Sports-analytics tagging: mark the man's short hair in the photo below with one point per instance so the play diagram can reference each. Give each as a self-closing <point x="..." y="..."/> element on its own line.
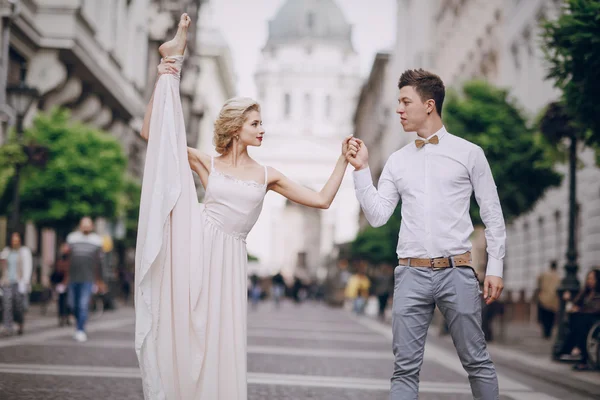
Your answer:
<point x="427" y="84"/>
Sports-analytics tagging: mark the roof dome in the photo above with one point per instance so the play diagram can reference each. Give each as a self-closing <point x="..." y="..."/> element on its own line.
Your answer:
<point x="310" y="19"/>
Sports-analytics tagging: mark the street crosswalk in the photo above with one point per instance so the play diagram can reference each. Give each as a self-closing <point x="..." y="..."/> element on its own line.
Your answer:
<point x="296" y="352"/>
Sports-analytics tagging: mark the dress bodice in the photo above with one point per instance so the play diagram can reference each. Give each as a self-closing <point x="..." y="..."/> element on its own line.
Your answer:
<point x="233" y="205"/>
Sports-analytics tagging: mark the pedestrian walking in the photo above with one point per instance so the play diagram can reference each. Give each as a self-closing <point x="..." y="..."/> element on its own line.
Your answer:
<point x="435" y="177"/>
<point x="547" y="298"/>
<point x="357" y="290"/>
<point x="277" y="288"/>
<point x="383" y="286"/>
<point x="85" y="248"/>
<point x="16" y="265"/>
<point x="60" y="280"/>
<point x="255" y="291"/>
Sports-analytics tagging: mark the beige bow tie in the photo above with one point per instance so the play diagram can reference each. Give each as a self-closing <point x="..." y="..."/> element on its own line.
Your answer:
<point x="422" y="142"/>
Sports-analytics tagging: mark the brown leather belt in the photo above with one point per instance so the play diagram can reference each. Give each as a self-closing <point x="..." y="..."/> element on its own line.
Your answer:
<point x="461" y="260"/>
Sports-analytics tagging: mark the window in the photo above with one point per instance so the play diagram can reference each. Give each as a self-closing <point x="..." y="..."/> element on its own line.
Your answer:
<point x="527" y="258"/>
<point x="308" y="105"/>
<point x="558" y="230"/>
<point x="542" y="243"/>
<point x="310" y="20"/>
<point x="327" y="106"/>
<point x="287" y="104"/>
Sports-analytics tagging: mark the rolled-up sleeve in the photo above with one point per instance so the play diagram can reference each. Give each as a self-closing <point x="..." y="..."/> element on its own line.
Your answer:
<point x="486" y="195"/>
<point x="377" y="204"/>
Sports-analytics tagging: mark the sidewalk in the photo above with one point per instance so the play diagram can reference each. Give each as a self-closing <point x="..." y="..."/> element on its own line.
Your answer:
<point x="526" y="351"/>
<point x="521" y="348"/>
<point x="36" y="320"/>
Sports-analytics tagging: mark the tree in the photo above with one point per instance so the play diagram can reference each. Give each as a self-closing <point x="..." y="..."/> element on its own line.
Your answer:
<point x="572" y="47"/>
<point x="519" y="158"/>
<point x="130" y="209"/>
<point x="83" y="176"/>
<point x="11" y="154"/>
<point x="378" y="245"/>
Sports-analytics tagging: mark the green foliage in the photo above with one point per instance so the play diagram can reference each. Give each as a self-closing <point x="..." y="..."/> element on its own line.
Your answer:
<point x="521" y="162"/>
<point x="572" y="47"/>
<point x="83" y="176"/>
<point x="11" y="154"/>
<point x="130" y="208"/>
<point x="378" y="245"/>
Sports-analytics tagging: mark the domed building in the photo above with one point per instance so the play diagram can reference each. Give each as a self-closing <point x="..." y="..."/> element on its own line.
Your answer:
<point x="308" y="82"/>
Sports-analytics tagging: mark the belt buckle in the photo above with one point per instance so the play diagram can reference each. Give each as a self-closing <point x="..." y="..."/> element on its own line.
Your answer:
<point x="432" y="261"/>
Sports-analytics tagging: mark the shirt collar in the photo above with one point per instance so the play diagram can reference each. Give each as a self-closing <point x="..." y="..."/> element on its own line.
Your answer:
<point x="440" y="133"/>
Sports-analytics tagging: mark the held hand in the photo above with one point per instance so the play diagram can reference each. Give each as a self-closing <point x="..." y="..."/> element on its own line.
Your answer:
<point x="492" y="288"/>
<point x="357" y="154"/>
<point x="345" y="145"/>
<point x="165" y="67"/>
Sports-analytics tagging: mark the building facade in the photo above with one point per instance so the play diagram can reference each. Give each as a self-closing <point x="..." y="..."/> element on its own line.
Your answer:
<point x="500" y="42"/>
<point x="98" y="59"/>
<point x="217" y="80"/>
<point x="308" y="82"/>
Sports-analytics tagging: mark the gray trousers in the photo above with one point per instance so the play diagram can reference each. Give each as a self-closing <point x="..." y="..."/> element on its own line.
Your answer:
<point x="12" y="305"/>
<point x="456" y="293"/>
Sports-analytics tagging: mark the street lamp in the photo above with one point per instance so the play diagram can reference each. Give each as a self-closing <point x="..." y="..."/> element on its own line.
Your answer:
<point x="20" y="97"/>
<point x="570" y="283"/>
<point x="557" y="125"/>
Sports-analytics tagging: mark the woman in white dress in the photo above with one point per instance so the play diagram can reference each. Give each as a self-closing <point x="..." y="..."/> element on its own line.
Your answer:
<point x="191" y="260"/>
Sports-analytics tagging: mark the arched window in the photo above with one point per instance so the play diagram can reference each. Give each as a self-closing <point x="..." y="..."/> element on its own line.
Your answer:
<point x="310" y="20"/>
<point x="542" y="257"/>
<point x="308" y="107"/>
<point x="287" y="104"/>
<point x="558" y="229"/>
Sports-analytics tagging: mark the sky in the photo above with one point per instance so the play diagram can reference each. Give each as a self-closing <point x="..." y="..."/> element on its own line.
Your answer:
<point x="244" y="24"/>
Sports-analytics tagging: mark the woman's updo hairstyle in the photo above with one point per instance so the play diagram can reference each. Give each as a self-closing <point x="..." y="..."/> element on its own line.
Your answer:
<point x="231" y="119"/>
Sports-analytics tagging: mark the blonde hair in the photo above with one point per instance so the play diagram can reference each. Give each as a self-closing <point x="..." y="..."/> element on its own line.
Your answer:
<point x="231" y="119"/>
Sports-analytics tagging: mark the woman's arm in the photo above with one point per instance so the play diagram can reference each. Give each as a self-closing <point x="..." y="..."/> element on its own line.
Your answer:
<point x="307" y="197"/>
<point x="200" y="164"/>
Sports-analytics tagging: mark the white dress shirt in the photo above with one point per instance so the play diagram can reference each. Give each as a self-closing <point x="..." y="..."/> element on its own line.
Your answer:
<point x="435" y="184"/>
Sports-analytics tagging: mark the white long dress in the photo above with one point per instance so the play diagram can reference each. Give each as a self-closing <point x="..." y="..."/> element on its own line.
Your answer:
<point x="191" y="262"/>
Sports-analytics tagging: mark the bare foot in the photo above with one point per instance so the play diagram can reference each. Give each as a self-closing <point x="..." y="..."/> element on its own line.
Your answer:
<point x="176" y="46"/>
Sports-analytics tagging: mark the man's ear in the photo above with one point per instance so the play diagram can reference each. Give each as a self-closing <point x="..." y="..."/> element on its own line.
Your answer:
<point x="430" y="104"/>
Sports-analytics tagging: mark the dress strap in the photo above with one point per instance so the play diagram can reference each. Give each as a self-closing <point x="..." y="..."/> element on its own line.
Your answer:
<point x="266" y="175"/>
<point x="212" y="163"/>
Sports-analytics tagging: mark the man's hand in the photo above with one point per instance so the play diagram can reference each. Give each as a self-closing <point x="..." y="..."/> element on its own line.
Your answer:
<point x="492" y="288"/>
<point x="357" y="154"/>
<point x="345" y="145"/>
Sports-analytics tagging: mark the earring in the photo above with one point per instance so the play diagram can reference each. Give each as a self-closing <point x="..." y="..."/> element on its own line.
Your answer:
<point x="237" y="137"/>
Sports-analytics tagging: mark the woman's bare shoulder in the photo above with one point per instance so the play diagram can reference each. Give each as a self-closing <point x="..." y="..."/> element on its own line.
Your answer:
<point x="200" y="156"/>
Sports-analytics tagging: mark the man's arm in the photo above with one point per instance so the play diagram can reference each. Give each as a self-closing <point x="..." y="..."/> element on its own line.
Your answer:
<point x="486" y="195"/>
<point x="377" y="204"/>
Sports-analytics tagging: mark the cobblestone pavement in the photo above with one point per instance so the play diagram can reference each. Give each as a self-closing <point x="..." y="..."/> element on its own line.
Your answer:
<point x="295" y="352"/>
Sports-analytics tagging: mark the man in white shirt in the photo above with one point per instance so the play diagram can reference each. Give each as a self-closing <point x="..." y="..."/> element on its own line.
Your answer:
<point x="435" y="177"/>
